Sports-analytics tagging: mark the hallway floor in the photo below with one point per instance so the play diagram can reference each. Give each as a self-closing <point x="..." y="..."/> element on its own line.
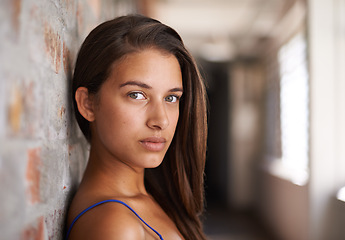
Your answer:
<point x="225" y="225"/>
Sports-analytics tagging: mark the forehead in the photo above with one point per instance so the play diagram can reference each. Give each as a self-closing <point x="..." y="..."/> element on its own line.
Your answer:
<point x="149" y="65"/>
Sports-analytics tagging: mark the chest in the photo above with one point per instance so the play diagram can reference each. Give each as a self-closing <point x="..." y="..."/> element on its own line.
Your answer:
<point x="157" y="220"/>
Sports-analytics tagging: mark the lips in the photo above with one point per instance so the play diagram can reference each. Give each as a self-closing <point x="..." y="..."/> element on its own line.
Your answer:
<point x="154" y="144"/>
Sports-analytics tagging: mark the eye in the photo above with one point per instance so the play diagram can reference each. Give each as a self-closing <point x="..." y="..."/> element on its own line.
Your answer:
<point x="137" y="95"/>
<point x="172" y="98"/>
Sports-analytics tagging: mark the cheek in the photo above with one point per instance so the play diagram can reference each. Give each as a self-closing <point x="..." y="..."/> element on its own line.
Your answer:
<point x="115" y="128"/>
<point x="174" y="119"/>
<point x="111" y="119"/>
<point x="126" y="121"/>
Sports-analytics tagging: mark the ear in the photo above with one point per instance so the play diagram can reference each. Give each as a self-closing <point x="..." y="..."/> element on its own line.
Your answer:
<point x="85" y="103"/>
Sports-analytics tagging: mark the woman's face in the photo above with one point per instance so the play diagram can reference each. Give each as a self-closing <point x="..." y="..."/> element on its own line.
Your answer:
<point x="137" y="109"/>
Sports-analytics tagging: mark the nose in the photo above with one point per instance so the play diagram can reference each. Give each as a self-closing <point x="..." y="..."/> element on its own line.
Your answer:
<point x="158" y="117"/>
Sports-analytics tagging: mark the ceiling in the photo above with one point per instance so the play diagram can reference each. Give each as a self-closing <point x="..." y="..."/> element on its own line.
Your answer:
<point x="223" y="29"/>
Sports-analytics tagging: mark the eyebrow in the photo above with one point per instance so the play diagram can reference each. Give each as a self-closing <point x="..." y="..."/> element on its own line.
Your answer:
<point x="135" y="83"/>
<point x="176" y="90"/>
<point x="144" y="85"/>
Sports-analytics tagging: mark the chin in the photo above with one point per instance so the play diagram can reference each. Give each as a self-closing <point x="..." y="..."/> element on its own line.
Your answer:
<point x="153" y="162"/>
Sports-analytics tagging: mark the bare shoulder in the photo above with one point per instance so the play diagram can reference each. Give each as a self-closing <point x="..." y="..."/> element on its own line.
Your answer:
<point x="108" y="221"/>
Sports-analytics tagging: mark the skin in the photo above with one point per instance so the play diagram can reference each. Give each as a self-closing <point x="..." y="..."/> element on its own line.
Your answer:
<point x="133" y="120"/>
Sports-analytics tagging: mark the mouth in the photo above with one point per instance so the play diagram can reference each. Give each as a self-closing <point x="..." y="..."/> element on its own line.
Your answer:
<point x="154" y="144"/>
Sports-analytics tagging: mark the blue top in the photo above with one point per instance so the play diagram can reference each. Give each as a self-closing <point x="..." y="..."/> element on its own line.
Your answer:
<point x="105" y="201"/>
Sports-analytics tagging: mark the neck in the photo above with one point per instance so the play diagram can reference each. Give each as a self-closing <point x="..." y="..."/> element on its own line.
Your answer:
<point x="109" y="176"/>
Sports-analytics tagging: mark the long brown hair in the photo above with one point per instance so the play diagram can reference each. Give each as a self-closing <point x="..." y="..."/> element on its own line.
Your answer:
<point x="177" y="184"/>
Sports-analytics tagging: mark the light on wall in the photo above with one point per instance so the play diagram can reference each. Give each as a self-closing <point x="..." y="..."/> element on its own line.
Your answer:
<point x="341" y="194"/>
<point x="217" y="50"/>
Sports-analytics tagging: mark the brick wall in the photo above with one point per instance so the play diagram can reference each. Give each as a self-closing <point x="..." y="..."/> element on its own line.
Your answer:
<point x="42" y="151"/>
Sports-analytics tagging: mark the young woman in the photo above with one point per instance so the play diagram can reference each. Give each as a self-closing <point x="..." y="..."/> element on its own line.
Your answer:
<point x="140" y="102"/>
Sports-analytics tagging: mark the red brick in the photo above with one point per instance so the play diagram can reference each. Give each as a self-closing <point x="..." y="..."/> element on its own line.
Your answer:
<point x="16" y="8"/>
<point x="95" y="6"/>
<point x="34" y="231"/>
<point x="15" y="110"/>
<point x="66" y="59"/>
<point x="33" y="174"/>
<point x="61" y="112"/>
<point x="53" y="46"/>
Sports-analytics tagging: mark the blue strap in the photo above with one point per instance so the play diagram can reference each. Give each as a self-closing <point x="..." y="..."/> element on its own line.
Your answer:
<point x="105" y="201"/>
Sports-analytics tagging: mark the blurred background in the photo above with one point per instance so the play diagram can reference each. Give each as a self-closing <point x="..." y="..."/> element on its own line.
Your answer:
<point x="276" y="85"/>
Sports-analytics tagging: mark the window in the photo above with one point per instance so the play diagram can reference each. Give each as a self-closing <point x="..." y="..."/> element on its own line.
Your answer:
<point x="294" y="113"/>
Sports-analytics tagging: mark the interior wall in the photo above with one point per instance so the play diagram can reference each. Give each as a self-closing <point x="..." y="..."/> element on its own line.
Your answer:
<point x="283" y="205"/>
<point x="327" y="58"/>
<point x="311" y="211"/>
<point x="245" y="146"/>
<point x="42" y="151"/>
